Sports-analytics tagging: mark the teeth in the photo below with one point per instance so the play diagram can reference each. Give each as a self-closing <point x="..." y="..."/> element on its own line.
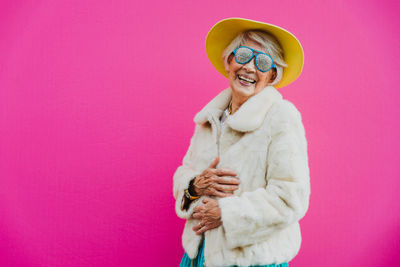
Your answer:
<point x="246" y="79"/>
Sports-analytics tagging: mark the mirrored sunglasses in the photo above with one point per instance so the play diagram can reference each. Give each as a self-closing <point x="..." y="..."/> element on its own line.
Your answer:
<point x="244" y="54"/>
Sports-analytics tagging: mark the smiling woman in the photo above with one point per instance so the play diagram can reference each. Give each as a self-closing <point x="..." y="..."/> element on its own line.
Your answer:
<point x="269" y="45"/>
<point x="252" y="50"/>
<point x="244" y="185"/>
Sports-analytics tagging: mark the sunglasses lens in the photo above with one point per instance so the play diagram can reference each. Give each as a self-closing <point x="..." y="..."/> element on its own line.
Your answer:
<point x="243" y="55"/>
<point x="263" y="62"/>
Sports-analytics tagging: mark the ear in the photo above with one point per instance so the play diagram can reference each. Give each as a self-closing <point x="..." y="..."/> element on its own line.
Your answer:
<point x="273" y="76"/>
<point x="227" y="62"/>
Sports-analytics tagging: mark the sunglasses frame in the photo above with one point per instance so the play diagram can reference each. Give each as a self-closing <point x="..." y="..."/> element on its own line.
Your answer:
<point x="255" y="58"/>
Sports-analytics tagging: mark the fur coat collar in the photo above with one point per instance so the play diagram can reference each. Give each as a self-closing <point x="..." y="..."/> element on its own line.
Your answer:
<point x="248" y="117"/>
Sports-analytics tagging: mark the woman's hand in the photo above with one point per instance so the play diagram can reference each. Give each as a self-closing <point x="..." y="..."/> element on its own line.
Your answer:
<point x="209" y="215"/>
<point x="216" y="182"/>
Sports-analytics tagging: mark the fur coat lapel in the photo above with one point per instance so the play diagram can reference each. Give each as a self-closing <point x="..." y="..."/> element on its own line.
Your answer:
<point x="248" y="117"/>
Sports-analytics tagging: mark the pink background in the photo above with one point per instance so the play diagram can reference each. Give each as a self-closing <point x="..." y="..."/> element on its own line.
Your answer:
<point x="96" y="107"/>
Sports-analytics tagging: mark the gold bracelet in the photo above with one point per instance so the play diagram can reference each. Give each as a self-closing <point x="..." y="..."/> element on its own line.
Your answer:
<point x="189" y="196"/>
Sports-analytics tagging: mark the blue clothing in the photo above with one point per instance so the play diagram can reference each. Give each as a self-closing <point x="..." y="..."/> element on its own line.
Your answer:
<point x="199" y="260"/>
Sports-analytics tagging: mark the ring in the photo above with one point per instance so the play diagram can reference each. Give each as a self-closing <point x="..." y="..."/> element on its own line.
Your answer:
<point x="200" y="225"/>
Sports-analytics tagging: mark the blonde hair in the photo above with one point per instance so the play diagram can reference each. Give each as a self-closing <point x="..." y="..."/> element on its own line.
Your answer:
<point x="267" y="41"/>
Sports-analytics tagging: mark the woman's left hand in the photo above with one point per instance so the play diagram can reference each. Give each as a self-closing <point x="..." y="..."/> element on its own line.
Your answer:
<point x="209" y="215"/>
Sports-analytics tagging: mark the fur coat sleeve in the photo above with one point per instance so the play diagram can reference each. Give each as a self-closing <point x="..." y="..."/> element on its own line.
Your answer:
<point x="251" y="217"/>
<point x="184" y="173"/>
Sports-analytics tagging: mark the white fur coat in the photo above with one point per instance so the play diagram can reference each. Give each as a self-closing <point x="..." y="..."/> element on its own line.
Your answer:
<point x="264" y="141"/>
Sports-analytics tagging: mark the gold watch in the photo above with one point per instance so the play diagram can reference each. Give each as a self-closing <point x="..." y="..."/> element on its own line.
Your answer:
<point x="187" y="193"/>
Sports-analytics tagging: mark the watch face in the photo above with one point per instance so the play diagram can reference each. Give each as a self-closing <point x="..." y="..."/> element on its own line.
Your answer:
<point x="189" y="196"/>
<point x="187" y="193"/>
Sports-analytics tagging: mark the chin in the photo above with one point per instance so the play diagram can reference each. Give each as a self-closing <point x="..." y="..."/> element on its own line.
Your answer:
<point x="244" y="90"/>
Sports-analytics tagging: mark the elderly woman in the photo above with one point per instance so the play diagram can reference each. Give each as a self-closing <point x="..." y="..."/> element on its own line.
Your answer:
<point x="244" y="182"/>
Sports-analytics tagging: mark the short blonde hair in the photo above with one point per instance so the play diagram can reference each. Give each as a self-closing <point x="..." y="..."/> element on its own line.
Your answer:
<point x="267" y="41"/>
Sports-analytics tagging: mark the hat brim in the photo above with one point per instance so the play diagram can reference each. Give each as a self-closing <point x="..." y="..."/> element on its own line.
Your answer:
<point x="224" y="31"/>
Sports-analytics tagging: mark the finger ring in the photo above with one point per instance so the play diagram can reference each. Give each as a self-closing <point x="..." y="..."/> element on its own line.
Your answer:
<point x="200" y="225"/>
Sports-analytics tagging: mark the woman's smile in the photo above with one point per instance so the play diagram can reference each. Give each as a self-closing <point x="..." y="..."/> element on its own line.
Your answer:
<point x="245" y="79"/>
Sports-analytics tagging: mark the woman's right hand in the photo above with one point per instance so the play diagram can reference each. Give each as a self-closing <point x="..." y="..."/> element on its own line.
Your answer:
<point x="216" y="182"/>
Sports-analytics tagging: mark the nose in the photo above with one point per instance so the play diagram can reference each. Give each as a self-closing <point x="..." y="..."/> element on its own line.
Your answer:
<point x="250" y="66"/>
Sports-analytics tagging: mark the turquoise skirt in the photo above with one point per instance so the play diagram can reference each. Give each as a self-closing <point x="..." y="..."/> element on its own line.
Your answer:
<point x="199" y="261"/>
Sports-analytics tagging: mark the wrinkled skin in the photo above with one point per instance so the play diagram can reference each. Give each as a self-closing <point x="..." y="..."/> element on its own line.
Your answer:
<point x="212" y="182"/>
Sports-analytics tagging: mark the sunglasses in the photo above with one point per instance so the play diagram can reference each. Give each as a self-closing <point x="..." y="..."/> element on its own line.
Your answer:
<point x="244" y="54"/>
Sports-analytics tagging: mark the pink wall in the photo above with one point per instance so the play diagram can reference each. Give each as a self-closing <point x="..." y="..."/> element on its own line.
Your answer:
<point x="96" y="107"/>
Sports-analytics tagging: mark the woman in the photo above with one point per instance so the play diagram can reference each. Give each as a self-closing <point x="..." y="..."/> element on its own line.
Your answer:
<point x="244" y="181"/>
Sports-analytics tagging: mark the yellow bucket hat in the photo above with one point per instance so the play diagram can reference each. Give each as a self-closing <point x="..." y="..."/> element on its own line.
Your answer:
<point x="224" y="31"/>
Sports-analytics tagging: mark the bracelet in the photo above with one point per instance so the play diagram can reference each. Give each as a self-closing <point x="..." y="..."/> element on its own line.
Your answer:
<point x="187" y="191"/>
<point x="189" y="196"/>
<point x="191" y="190"/>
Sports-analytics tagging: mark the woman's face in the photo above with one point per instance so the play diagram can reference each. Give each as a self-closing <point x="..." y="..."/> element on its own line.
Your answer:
<point x="245" y="79"/>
